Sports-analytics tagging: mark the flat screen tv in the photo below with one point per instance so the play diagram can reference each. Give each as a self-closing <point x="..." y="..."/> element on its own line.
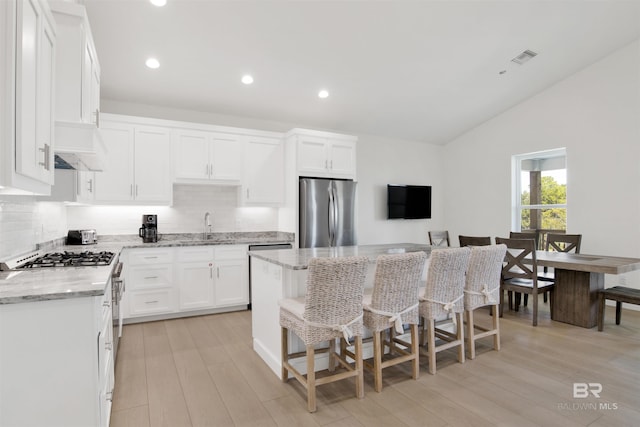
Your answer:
<point x="408" y="201"/>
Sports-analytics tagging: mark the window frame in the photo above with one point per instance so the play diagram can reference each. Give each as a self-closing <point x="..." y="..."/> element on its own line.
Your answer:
<point x="516" y="179"/>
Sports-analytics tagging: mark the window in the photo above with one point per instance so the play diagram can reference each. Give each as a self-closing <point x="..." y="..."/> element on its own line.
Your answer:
<point x="540" y="192"/>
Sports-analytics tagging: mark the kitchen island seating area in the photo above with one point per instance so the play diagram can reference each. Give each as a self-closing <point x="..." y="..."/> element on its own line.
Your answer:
<point x="334" y="306"/>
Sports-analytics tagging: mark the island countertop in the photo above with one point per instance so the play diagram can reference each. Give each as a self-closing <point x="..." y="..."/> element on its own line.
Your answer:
<point x="298" y="259"/>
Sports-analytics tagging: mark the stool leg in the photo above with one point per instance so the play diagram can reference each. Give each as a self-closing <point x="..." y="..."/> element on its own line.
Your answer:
<point x="311" y="379"/>
<point x="618" y="312"/>
<point x="378" y="349"/>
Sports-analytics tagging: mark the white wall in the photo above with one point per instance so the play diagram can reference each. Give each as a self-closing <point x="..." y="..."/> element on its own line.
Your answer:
<point x="382" y="161"/>
<point x="595" y="114"/>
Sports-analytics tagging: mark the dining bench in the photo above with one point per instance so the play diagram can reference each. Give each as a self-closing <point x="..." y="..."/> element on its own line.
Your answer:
<point x="619" y="294"/>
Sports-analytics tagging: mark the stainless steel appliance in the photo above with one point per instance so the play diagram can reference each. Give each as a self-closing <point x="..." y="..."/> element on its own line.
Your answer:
<point x="59" y="259"/>
<point x="149" y="229"/>
<point x="82" y="237"/>
<point x="327" y="213"/>
<point x="264" y="247"/>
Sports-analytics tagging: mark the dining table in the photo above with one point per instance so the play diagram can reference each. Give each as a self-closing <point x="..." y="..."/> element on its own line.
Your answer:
<point x="578" y="280"/>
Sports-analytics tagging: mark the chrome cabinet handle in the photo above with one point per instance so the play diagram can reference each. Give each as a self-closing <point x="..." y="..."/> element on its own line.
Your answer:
<point x="218" y="272"/>
<point x="97" y="118"/>
<point x="326" y="164"/>
<point x="131" y="190"/>
<point x="151" y="257"/>
<point x="151" y="302"/>
<point x="46" y="163"/>
<point x="109" y="396"/>
<point x="331" y="164"/>
<point x="90" y="185"/>
<point x="151" y="277"/>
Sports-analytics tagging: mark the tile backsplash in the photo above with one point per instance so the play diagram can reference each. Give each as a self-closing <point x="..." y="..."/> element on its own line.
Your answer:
<point x="190" y="202"/>
<point x="24" y="222"/>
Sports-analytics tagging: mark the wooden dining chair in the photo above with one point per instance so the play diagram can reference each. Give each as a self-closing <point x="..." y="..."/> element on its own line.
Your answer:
<point x="519" y="274"/>
<point x="527" y="234"/>
<point x="439" y="238"/>
<point x="474" y="241"/>
<point x="331" y="308"/>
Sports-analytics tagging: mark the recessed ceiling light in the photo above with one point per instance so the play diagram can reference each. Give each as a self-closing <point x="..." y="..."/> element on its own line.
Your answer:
<point x="152" y="63"/>
<point x="247" y="79"/>
<point x="158" y="3"/>
<point x="323" y="93"/>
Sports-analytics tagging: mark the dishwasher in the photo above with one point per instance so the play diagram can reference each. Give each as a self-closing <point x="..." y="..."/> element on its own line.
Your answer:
<point x="265" y="247"/>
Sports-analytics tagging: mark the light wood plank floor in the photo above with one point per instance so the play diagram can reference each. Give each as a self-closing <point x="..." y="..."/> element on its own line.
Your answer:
<point x="202" y="371"/>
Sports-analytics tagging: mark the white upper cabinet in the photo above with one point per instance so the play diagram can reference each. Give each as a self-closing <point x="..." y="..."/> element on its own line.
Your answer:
<point x="208" y="157"/>
<point x="263" y="182"/>
<point x="77" y="66"/>
<point x="26" y="114"/>
<point x="138" y="167"/>
<point x="323" y="154"/>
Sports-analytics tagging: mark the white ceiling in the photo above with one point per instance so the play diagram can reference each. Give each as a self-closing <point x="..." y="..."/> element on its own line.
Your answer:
<point x="417" y="70"/>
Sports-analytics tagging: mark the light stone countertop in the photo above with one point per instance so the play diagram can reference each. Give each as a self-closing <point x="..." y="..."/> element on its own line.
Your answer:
<point x="298" y="259"/>
<point x="20" y="286"/>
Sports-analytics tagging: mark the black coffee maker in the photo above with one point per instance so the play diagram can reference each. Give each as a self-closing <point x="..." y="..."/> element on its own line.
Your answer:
<point x="149" y="229"/>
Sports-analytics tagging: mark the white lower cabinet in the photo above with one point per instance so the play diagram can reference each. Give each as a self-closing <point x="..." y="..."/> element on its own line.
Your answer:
<point x="165" y="282"/>
<point x="56" y="362"/>
<point x="195" y="277"/>
<point x="149" y="279"/>
<point x="231" y="276"/>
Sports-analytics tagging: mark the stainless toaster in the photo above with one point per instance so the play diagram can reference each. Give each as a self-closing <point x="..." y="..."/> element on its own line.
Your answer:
<point x="82" y="237"/>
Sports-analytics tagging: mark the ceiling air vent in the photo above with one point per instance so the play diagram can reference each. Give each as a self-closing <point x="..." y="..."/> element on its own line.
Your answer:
<point x="524" y="57"/>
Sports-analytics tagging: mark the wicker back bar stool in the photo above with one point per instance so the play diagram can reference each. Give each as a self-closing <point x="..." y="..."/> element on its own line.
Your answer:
<point x="393" y="303"/>
<point x="331" y="308"/>
<point x="482" y="288"/>
<point x="443" y="296"/>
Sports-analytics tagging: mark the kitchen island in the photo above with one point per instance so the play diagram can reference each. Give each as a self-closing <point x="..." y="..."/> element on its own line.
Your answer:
<point x="281" y="274"/>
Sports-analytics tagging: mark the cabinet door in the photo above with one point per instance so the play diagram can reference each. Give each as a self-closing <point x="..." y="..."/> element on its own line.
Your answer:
<point x="152" y="166"/>
<point x="312" y="156"/>
<point x="342" y="159"/>
<point x="84" y="186"/>
<point x="115" y="183"/>
<point x="263" y="171"/>
<point x="195" y="284"/>
<point x="231" y="286"/>
<point x="226" y="157"/>
<point x="34" y="86"/>
<point x="191" y="154"/>
<point x="90" y="100"/>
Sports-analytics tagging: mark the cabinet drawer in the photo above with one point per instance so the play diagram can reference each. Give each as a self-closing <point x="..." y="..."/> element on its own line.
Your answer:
<point x="160" y="276"/>
<point x="153" y="302"/>
<point x="149" y="257"/>
<point x="231" y="252"/>
<point x="195" y="254"/>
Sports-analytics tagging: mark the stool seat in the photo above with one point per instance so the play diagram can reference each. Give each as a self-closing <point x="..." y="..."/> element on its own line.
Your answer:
<point x="619" y="294"/>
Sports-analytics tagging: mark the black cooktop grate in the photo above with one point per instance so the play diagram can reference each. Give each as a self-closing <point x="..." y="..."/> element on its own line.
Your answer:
<point x="71" y="259"/>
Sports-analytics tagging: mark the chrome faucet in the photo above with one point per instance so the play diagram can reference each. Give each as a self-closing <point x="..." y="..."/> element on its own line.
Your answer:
<point x="207" y="225"/>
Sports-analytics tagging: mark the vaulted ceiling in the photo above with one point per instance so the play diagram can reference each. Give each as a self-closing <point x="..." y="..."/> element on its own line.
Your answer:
<point x="417" y="70"/>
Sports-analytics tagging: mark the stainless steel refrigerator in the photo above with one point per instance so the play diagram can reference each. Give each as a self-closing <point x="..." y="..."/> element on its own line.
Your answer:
<point x="327" y="213"/>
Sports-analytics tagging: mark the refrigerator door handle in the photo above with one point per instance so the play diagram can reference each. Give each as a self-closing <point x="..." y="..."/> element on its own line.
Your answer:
<point x="332" y="219"/>
<point x="336" y="216"/>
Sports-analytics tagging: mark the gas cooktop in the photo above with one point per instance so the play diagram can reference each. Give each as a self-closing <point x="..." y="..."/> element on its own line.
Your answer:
<point x="60" y="259"/>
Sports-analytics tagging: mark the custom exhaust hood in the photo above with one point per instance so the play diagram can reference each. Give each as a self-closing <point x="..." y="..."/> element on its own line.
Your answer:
<point x="79" y="146"/>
